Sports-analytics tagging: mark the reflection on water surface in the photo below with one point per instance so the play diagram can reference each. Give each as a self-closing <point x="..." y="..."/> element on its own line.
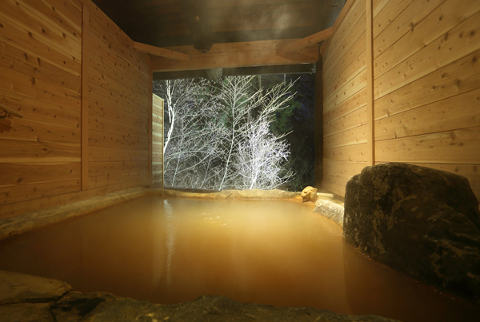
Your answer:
<point x="273" y="252"/>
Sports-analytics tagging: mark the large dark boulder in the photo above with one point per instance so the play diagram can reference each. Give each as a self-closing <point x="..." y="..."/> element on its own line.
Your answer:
<point x="418" y="220"/>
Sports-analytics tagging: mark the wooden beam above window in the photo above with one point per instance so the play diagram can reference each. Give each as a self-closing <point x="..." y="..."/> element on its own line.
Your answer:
<point x="162" y="52"/>
<point x="300" y="44"/>
<point x="239" y="54"/>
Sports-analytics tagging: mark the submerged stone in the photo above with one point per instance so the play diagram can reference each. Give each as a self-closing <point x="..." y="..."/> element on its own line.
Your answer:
<point x="418" y="220"/>
<point x="18" y="287"/>
<point x="26" y="312"/>
<point x="103" y="307"/>
<point x="28" y="298"/>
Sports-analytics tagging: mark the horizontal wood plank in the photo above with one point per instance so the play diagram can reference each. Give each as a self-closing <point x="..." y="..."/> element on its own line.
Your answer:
<point x="20" y="37"/>
<point x="346" y="137"/>
<point x="139" y="179"/>
<point x="458" y="77"/>
<point x="457" y="112"/>
<point x="33" y="66"/>
<point x="333" y="81"/>
<point x="98" y="138"/>
<point x="25" y="85"/>
<point x="107" y="125"/>
<point x="37" y="190"/>
<point x="26" y="17"/>
<point x="99" y="154"/>
<point x="99" y="169"/>
<point x="27" y="151"/>
<point x="40" y="111"/>
<point x="344" y="168"/>
<point x="28" y="130"/>
<point x="357" y="152"/>
<point x="344" y="61"/>
<point x="458" y="146"/>
<point x="345" y="92"/>
<point x="18" y="174"/>
<point x="346" y="33"/>
<point x="457" y="43"/>
<point x="351" y="120"/>
<point x="401" y="17"/>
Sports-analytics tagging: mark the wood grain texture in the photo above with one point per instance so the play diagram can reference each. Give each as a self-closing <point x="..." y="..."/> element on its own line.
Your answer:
<point x="427" y="96"/>
<point x="120" y="107"/>
<point x="345" y="100"/>
<point x="426" y="86"/>
<point x="150" y="128"/>
<point x="157" y="144"/>
<point x="299" y="44"/>
<point x="439" y="116"/>
<point x="230" y="55"/>
<point x="457" y="146"/>
<point x="158" y="51"/>
<point x="69" y="82"/>
<point x="85" y="91"/>
<point x="458" y="77"/>
<point x="355" y="118"/>
<point x="429" y="46"/>
<point x="370" y="135"/>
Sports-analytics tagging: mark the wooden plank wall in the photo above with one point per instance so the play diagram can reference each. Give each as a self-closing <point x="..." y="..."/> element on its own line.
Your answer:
<point x="157" y="142"/>
<point x="41" y="78"/>
<point x="427" y="84"/>
<point x="118" y="108"/>
<point x="344" y="101"/>
<point x="426" y="87"/>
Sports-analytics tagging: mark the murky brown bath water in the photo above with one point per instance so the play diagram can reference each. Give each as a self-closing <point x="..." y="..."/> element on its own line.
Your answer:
<point x="271" y="252"/>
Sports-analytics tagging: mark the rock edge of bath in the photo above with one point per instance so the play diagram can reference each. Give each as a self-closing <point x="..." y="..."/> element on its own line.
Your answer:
<point x="20" y="224"/>
<point x="46" y="300"/>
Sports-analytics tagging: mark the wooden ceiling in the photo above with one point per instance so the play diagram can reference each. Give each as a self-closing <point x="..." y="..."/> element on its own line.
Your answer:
<point x="184" y="24"/>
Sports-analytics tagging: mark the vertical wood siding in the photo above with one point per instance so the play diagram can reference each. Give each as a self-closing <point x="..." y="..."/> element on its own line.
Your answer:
<point x="41" y="78"/>
<point x="157" y="142"/>
<point x="426" y="88"/>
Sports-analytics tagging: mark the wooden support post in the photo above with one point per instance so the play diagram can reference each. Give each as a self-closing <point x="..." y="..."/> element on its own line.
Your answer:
<point x="84" y="113"/>
<point x="163" y="142"/>
<point x="370" y="86"/>
<point x="150" y="127"/>
<point x="318" y="119"/>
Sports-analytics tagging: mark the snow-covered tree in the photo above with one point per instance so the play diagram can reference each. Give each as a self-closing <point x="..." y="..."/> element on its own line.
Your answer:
<point x="217" y="136"/>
